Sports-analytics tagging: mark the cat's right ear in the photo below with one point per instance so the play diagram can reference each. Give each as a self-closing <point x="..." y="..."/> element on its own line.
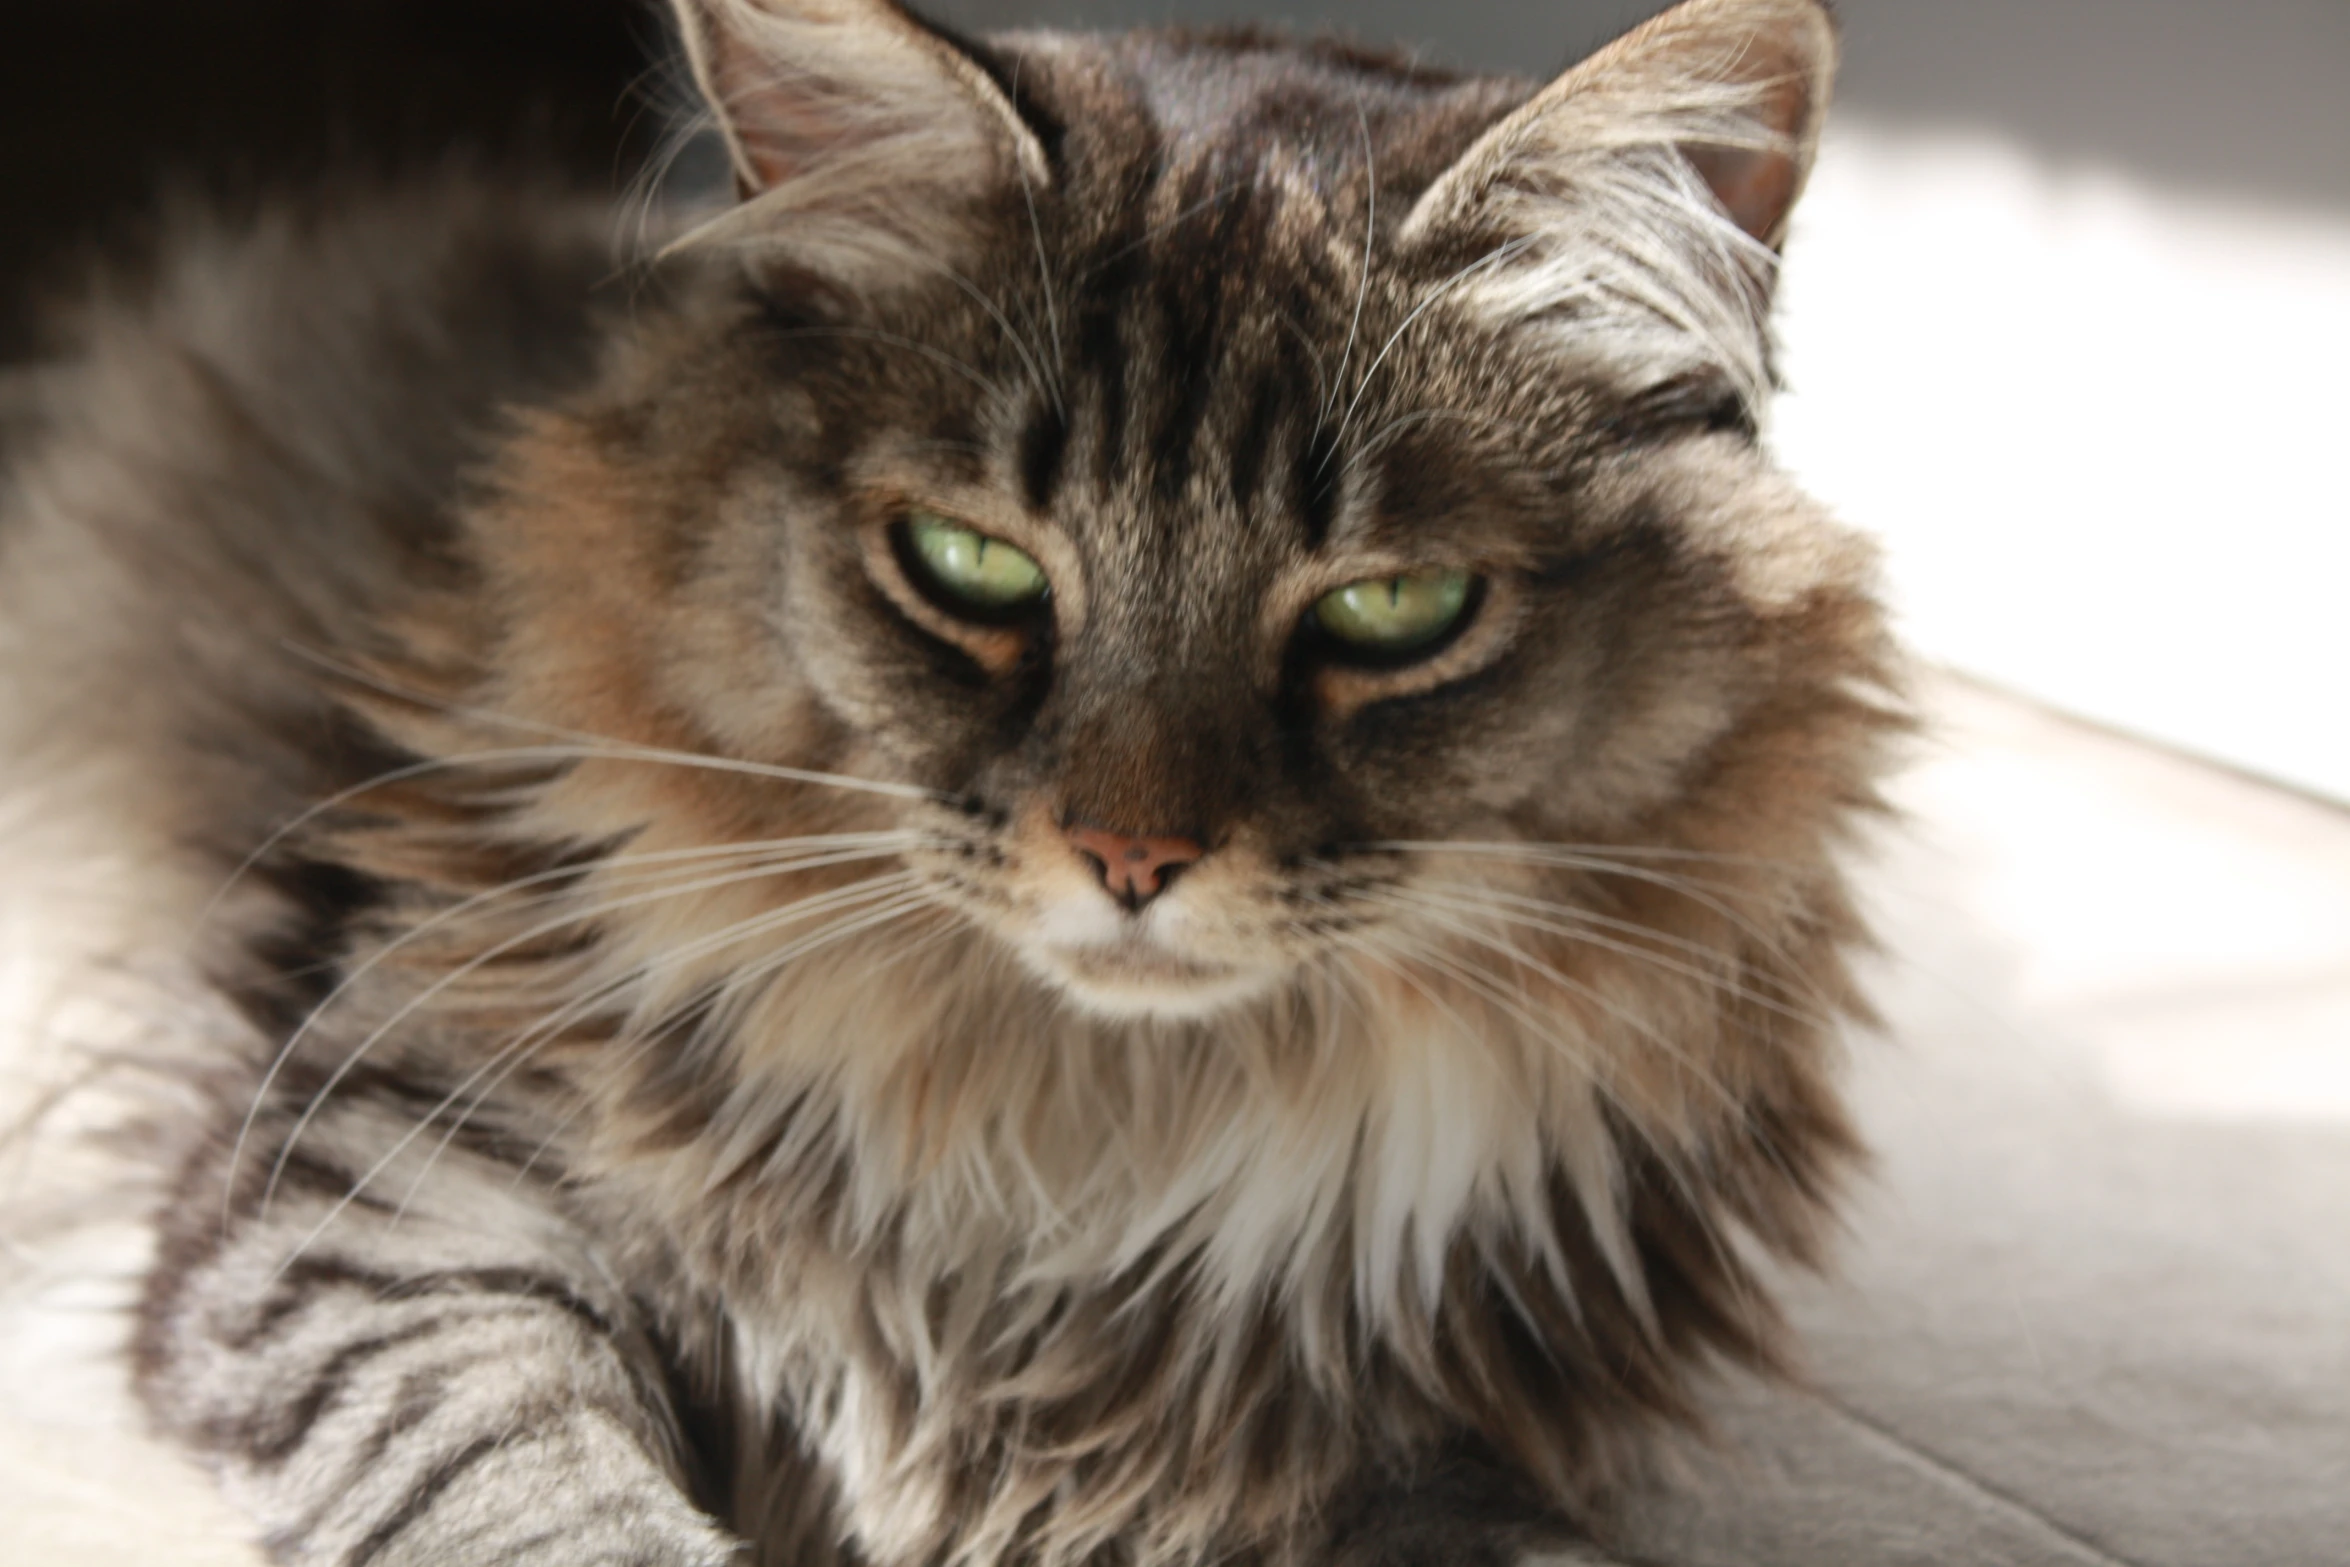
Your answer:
<point x="1737" y="87"/>
<point x="871" y="128"/>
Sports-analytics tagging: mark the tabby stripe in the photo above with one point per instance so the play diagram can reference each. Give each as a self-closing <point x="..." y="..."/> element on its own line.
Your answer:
<point x="414" y="1400"/>
<point x="417" y="1397"/>
<point x="303" y="1285"/>
<point x="299" y="1171"/>
<point x="422" y="1495"/>
<point x="1043" y="445"/>
<point x="1102" y="359"/>
<point x="1193" y="326"/>
<point x="327" y="1384"/>
<point x="1254" y="439"/>
<point x="1316" y="495"/>
<point x="519" y="1283"/>
<point x="310" y="1281"/>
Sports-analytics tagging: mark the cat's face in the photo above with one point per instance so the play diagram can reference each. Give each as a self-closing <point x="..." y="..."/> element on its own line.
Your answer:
<point x="1235" y="633"/>
<point x="1238" y="469"/>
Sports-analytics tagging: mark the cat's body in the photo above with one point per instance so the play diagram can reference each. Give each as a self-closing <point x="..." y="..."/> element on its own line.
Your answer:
<point x="700" y="1068"/>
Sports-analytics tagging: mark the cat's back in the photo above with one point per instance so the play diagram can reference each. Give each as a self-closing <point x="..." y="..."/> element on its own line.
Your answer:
<point x="244" y="453"/>
<point x="241" y="456"/>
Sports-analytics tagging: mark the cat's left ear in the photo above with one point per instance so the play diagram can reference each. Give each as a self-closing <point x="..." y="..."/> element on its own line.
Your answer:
<point x="857" y="111"/>
<point x="1737" y="88"/>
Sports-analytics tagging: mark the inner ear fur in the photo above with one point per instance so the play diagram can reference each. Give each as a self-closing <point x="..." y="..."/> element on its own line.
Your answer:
<point x="1739" y="87"/>
<point x="852" y="103"/>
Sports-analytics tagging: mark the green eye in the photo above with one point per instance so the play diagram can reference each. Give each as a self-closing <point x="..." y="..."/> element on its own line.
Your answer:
<point x="971" y="568"/>
<point x="1395" y="614"/>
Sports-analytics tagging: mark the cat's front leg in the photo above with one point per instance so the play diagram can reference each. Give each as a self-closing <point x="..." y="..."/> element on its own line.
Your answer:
<point x="431" y="1372"/>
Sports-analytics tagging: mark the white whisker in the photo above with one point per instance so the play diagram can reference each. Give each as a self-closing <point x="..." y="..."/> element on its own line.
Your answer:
<point x="1044" y="270"/>
<point x="1584" y="852"/>
<point x="573" y="746"/>
<point x="1363" y="284"/>
<point x="741" y="931"/>
<point x="690" y="861"/>
<point x="1664" y="1156"/>
<point x="949" y="927"/>
<point x="1492" y="258"/>
<point x="473" y="965"/>
<point x="1697" y="890"/>
<point x="519" y="1048"/>
<point x="1647" y="1031"/>
<point x="1585" y="927"/>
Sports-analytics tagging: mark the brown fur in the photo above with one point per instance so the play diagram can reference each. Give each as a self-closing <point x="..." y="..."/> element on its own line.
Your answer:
<point x="1418" y="1161"/>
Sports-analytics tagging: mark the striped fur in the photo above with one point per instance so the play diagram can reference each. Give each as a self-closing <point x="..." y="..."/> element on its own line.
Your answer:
<point x="688" y="1102"/>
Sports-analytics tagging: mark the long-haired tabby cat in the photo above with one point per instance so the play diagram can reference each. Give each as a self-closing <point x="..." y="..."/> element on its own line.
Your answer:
<point x="1104" y="833"/>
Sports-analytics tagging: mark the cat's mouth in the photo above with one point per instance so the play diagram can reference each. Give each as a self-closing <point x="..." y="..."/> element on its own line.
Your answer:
<point x="1137" y="976"/>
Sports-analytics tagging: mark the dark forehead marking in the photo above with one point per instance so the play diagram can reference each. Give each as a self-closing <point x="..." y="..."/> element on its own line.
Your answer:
<point x="1199" y="283"/>
<point x="1044" y="444"/>
<point x="1102" y="367"/>
<point x="1252" y="440"/>
<point x="1314" y="486"/>
<point x="1237" y="155"/>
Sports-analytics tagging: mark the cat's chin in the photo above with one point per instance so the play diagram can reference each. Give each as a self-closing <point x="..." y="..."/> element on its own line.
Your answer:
<point x="1139" y="979"/>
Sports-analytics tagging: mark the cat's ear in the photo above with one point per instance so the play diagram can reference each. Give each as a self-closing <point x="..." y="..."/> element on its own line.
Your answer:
<point x="1736" y="88"/>
<point x="855" y="109"/>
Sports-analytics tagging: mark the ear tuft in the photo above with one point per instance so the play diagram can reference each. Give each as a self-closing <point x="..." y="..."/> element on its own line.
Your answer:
<point x="1782" y="55"/>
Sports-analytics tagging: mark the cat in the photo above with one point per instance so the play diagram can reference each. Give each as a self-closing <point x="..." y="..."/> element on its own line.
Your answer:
<point x="1106" y="831"/>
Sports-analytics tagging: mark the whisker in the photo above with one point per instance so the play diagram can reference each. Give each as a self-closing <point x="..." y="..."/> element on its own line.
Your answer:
<point x="408" y="1139"/>
<point x="1363" y="285"/>
<point x="1590" y="993"/>
<point x="1698" y="890"/>
<point x="1324" y="384"/>
<point x="520" y="1048"/>
<point x="1716" y="1240"/>
<point x="1570" y="922"/>
<point x="769" y="964"/>
<point x="576" y="745"/>
<point x="1704" y="1078"/>
<point x="1044" y="270"/>
<point x="1036" y="371"/>
<point x="1364" y="946"/>
<point x="474" y="964"/>
<point x="1387" y="433"/>
<point x="690" y="860"/>
<point x="636" y="1051"/>
<point x="1493" y="258"/>
<point x="1577" y="852"/>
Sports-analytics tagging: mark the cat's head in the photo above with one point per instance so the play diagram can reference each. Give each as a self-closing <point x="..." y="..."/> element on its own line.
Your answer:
<point x="1213" y="471"/>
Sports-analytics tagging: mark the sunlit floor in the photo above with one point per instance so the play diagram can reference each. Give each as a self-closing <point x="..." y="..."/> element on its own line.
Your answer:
<point x="2096" y="1303"/>
<point x="2096" y="1306"/>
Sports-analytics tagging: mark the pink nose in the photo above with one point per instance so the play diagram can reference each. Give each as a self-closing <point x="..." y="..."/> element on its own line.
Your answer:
<point x="1134" y="870"/>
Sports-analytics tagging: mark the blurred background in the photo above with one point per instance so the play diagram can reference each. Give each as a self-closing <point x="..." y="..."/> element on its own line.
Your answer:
<point x="2067" y="315"/>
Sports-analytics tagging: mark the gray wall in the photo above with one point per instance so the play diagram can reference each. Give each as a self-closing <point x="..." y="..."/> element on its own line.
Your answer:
<point x="2244" y="97"/>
